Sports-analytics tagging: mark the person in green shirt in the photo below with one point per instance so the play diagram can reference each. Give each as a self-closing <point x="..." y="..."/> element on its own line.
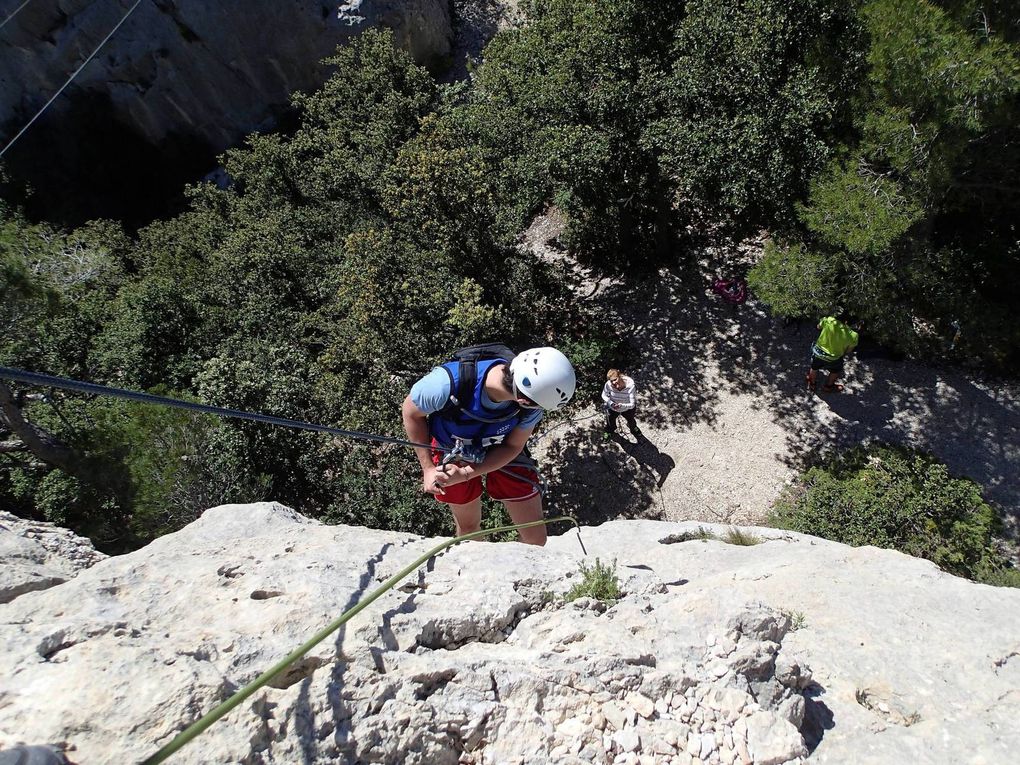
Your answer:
<point x="836" y="340"/>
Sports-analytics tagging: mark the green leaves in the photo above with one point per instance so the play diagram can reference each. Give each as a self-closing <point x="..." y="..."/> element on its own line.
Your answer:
<point x="559" y="107"/>
<point x="923" y="60"/>
<point x="902" y="499"/>
<point x="750" y="99"/>
<point x="858" y="210"/>
<point x="470" y="316"/>
<point x="598" y="581"/>
<point x="916" y="212"/>
<point x="795" y="281"/>
<point x="54" y="289"/>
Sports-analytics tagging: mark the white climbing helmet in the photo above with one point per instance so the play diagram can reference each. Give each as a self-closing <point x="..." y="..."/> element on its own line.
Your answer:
<point x="545" y="376"/>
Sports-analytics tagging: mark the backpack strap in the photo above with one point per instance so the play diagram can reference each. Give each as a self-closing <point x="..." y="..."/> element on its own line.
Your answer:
<point x="462" y="397"/>
<point x="464" y="391"/>
<point x="468" y="374"/>
<point x="467" y="370"/>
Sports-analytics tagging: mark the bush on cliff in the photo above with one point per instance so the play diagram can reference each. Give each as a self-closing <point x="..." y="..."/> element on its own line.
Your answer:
<point x="901" y="499"/>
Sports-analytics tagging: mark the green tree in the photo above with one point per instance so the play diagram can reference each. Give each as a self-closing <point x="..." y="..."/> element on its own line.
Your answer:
<point x="901" y="499"/>
<point x="755" y="97"/>
<point x="934" y="148"/>
<point x="342" y="261"/>
<point x="54" y="288"/>
<point x="558" y="108"/>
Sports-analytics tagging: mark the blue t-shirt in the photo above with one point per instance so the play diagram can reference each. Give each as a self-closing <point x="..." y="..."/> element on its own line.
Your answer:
<point x="431" y="393"/>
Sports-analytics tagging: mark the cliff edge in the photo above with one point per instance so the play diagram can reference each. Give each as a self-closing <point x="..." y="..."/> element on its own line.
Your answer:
<point x="795" y="648"/>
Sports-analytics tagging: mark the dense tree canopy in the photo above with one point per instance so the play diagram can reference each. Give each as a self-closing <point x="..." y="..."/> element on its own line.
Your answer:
<point x="341" y="263"/>
<point x="876" y="140"/>
<point x="912" y="225"/>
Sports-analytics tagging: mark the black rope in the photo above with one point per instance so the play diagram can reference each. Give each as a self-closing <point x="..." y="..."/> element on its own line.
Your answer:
<point x="49" y="381"/>
<point x="64" y="383"/>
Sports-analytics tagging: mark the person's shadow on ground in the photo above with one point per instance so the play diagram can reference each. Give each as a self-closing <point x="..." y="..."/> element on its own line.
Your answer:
<point x="647" y="454"/>
<point x="597" y="481"/>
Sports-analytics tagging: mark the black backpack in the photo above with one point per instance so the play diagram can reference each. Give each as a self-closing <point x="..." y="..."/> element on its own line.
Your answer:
<point x="468" y="359"/>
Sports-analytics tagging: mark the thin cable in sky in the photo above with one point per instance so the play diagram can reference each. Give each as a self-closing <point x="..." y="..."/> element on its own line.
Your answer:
<point x="76" y="71"/>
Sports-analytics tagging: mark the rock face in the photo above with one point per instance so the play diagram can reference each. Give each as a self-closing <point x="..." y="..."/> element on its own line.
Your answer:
<point x="179" y="82"/>
<point x="475" y="23"/>
<point x="213" y="71"/>
<point x="34" y="556"/>
<point x="714" y="653"/>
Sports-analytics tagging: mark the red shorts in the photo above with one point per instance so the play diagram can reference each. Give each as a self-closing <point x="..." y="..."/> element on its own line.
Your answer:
<point x="499" y="485"/>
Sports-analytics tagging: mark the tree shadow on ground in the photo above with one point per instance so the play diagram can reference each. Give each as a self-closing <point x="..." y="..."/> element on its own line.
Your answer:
<point x="663" y="318"/>
<point x="972" y="425"/>
<point x="577" y="471"/>
<point x="696" y="349"/>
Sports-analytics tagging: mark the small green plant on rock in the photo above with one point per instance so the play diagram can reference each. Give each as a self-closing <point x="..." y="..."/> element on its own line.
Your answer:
<point x="797" y="619"/>
<point x="598" y="581"/>
<point x="735" y="536"/>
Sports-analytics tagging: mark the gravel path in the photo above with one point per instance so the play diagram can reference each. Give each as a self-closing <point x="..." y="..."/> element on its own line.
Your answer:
<point x="728" y="421"/>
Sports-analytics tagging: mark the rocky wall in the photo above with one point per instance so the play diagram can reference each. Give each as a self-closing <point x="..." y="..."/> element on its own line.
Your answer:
<point x="714" y="654"/>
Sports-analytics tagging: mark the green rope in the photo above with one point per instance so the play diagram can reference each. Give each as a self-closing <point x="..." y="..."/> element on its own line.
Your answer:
<point x="202" y="724"/>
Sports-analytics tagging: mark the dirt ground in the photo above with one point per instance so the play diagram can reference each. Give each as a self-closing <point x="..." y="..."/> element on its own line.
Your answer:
<point x="729" y="422"/>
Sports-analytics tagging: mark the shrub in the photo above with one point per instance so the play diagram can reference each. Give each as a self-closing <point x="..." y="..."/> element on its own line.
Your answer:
<point x="597" y="581"/>
<point x="735" y="536"/>
<point x="900" y="499"/>
<point x="798" y="620"/>
<point x="700" y="533"/>
<point x="886" y="229"/>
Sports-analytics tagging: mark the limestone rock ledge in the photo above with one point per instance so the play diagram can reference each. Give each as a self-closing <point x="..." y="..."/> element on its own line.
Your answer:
<point x="34" y="556"/>
<point x="791" y="649"/>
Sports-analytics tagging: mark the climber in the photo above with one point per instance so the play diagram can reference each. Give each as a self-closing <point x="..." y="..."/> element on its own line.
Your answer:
<point x="484" y="404"/>
<point x="836" y="340"/>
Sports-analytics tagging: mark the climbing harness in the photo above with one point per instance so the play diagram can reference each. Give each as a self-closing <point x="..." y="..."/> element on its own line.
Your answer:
<point x="463" y="451"/>
<point x="204" y="722"/>
<point x="456" y="454"/>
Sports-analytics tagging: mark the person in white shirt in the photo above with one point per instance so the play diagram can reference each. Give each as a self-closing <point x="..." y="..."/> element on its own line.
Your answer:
<point x="620" y="398"/>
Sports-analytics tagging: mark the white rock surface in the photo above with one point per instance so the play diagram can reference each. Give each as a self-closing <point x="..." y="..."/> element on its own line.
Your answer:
<point x="472" y="661"/>
<point x="34" y="555"/>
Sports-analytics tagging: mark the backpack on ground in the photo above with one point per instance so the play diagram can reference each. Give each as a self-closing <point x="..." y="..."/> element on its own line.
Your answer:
<point x="731" y="290"/>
